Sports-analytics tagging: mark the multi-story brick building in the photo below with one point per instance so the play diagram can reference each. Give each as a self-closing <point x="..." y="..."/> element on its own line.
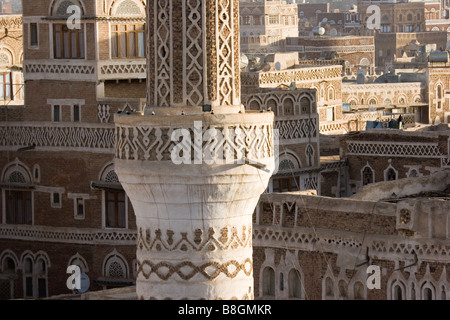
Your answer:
<point x="61" y="201"/>
<point x="265" y="24"/>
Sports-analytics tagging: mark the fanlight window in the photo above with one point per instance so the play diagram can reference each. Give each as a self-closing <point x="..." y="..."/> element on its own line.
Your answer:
<point x="128" y="8"/>
<point x="63" y="8"/>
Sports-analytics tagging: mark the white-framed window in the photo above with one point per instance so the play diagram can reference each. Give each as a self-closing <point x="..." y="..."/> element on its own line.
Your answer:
<point x="56" y="199"/>
<point x="68" y="43"/>
<point x="17" y="196"/>
<point x="127" y="41"/>
<point x="386" y="28"/>
<point x="56" y="113"/>
<point x="76" y="113"/>
<point x="33" y="38"/>
<point x="367" y="175"/>
<point x="35" y="284"/>
<point x="79" y="205"/>
<point x="114" y="199"/>
<point x="66" y="110"/>
<point x="274" y="19"/>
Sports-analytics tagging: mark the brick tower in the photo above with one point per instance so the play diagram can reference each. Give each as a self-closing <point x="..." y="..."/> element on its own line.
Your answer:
<point x="194" y="163"/>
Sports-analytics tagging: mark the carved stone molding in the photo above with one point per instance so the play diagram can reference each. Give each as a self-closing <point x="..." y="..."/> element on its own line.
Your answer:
<point x="49" y="136"/>
<point x="154" y="143"/>
<point x="186" y="270"/>
<point x="229" y="238"/>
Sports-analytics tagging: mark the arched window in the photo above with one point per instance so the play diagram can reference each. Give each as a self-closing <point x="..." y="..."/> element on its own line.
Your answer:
<point x="343" y="289"/>
<point x="68" y="42"/>
<point x="358" y="290"/>
<point x="288" y="107"/>
<point x="62" y="9"/>
<point x="272" y="105"/>
<point x="413" y="173"/>
<point x="28" y="278"/>
<point x="331" y="94"/>
<point x="19" y="209"/>
<point x="367" y="176"/>
<point x="443" y="293"/>
<point x="409" y="17"/>
<point x="428" y="291"/>
<point x="5" y="59"/>
<point x="41" y="274"/>
<point x="439" y="92"/>
<point x="286" y="165"/>
<point x="310" y="155"/>
<point x="398" y="291"/>
<point x="254" y="105"/>
<point x="427" y="294"/>
<point x="128" y="8"/>
<point x="329" y="287"/>
<point x="115" y="266"/>
<point x="9" y="266"/>
<point x="115" y="203"/>
<point x="305" y="105"/>
<point x="391" y="175"/>
<point x="268" y="282"/>
<point x="295" y="285"/>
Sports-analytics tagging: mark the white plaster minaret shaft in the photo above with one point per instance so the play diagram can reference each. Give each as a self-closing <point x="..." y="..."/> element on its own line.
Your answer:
<point x="194" y="218"/>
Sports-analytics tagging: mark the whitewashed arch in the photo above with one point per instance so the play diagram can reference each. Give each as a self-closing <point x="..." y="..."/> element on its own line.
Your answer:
<point x="9" y="254"/>
<point x="6" y="55"/>
<point x="367" y="166"/>
<point x="16" y="167"/>
<point x="388" y="169"/>
<point x="402" y="97"/>
<point x="35" y="257"/>
<point x="78" y="260"/>
<point x="289" y="155"/>
<point x="107" y="174"/>
<point x="114" y="264"/>
<point x="372" y="98"/>
<point x="397" y="282"/>
<point x="365" y="62"/>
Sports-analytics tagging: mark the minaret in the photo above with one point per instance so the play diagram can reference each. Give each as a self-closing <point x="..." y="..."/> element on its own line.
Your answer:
<point x="194" y="163"/>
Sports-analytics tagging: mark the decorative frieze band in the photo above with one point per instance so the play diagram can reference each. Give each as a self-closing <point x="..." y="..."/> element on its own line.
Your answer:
<point x="275" y="78"/>
<point x="68" y="235"/>
<point x="78" y="71"/>
<point x="394" y="149"/>
<point x="48" y="137"/>
<point x="297" y="128"/>
<point x="151" y="143"/>
<point x="123" y="70"/>
<point x="229" y="238"/>
<point x="186" y="270"/>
